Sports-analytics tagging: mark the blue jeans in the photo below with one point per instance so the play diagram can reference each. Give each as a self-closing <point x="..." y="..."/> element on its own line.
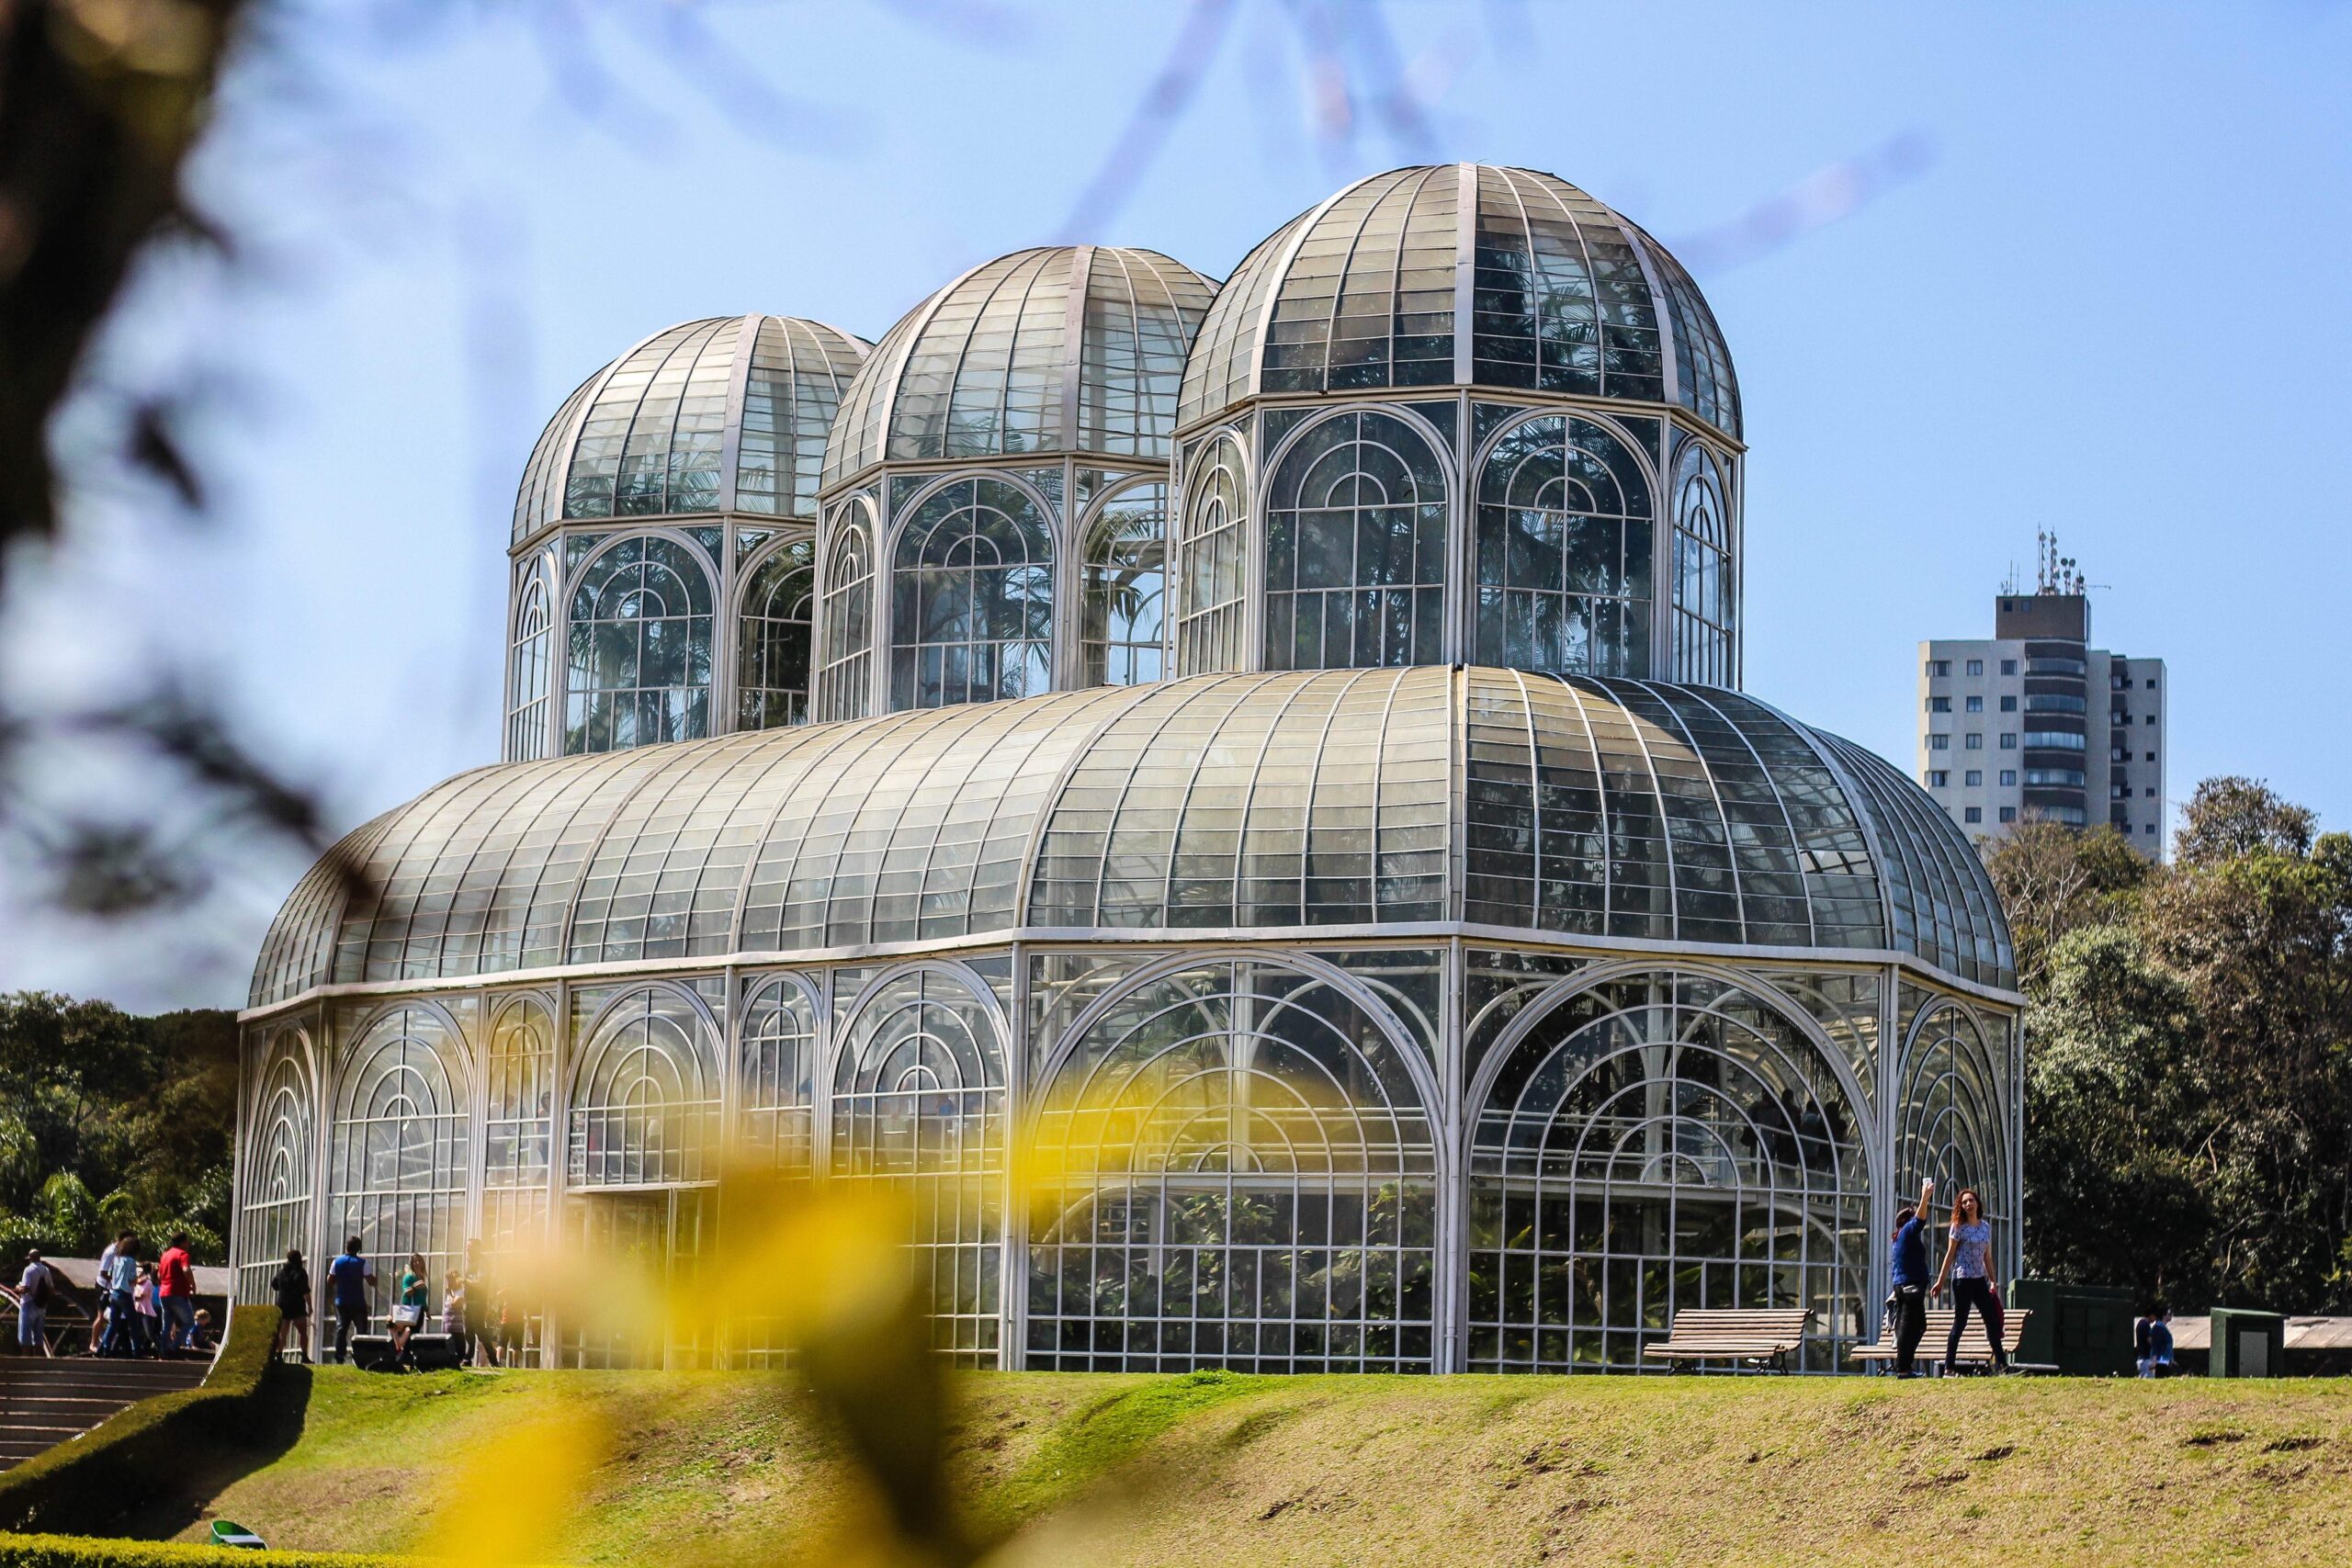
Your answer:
<point x="179" y="1320"/>
<point x="126" y="1335"/>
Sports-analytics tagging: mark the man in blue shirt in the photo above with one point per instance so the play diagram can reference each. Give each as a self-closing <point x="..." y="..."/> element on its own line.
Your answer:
<point x="1909" y="1298"/>
<point x="348" y="1276"/>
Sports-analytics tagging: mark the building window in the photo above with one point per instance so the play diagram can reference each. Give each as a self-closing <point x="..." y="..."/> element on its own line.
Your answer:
<point x="2008" y="666"/>
<point x="1975" y="705"/>
<point x="2149" y="719"/>
<point x="1937" y="778"/>
<point x="639" y="662"/>
<point x="2152" y="686"/>
<point x="397" y="1168"/>
<point x="1939" y="667"/>
<point x="844" y="675"/>
<point x="2152" y="756"/>
<point x="1122" y="592"/>
<point x="2149" y="830"/>
<point x="2009" y="814"/>
<point x="2053" y="740"/>
<point x="771" y="666"/>
<point x="1563" y="556"/>
<point x="1939" y="705"/>
<point x="1974" y="778"/>
<point x="1355" y="549"/>
<point x="2010" y="703"/>
<point x="645" y="1107"/>
<point x="527" y="682"/>
<point x="1973" y="814"/>
<point x="1704" y="597"/>
<point x="2009" y="741"/>
<point x="1210" y="565"/>
<point x="1976" y="667"/>
<point x="972" y="598"/>
<point x="2054" y="702"/>
<point x="2151" y="792"/>
<point x="1975" y="740"/>
<point x="1938" y="742"/>
<point x="2009" y="777"/>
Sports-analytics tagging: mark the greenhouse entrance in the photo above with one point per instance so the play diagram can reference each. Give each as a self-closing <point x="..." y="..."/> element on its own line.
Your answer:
<point x="637" y="1303"/>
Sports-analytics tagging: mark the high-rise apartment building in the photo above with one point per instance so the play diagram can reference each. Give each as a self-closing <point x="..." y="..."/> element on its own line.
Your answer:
<point x="2034" y="722"/>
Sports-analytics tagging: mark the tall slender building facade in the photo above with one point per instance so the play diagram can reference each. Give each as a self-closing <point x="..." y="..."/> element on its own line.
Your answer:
<point x="2034" y="722"/>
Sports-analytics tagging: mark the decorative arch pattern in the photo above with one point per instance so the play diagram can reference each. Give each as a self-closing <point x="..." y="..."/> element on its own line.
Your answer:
<point x="972" y="598"/>
<point x="1213" y="561"/>
<point x="1706" y="597"/>
<point x="273" y="1200"/>
<point x="845" y="662"/>
<point x="917" y="1108"/>
<point x="1122" y="590"/>
<point x="1237" y="1169"/>
<point x="1563" y="551"/>
<point x="1952" y="1122"/>
<point x="1651" y="1145"/>
<point x="775" y="1065"/>
<point x="639" y="640"/>
<point x="397" y="1170"/>
<point x="645" y="1099"/>
<point x="772" y="639"/>
<point x="518" y="1126"/>
<point x="1355" y="547"/>
<point x="528" y="668"/>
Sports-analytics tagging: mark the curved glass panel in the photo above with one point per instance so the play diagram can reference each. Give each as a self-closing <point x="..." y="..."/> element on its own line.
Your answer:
<point x="1221" y="369"/>
<point x="1704" y="600"/>
<point x="529" y="665"/>
<point x="639" y="640"/>
<point x="772" y="639"/>
<point x="791" y="391"/>
<point x="645" y="1097"/>
<point x="1943" y="905"/>
<point x="1951" y="1117"/>
<point x="1122" y="590"/>
<point x="651" y="440"/>
<point x="776" y="1063"/>
<point x="917" y="1108"/>
<point x="518" y="1126"/>
<point x="1355" y="547"/>
<point x="1241" y="1174"/>
<point x="396" y="1168"/>
<point x="1368" y="298"/>
<point x="972" y="598"/>
<point x="274" y="1175"/>
<point x="1652" y="1146"/>
<point x="1214" y="561"/>
<point x="845" y="674"/>
<point x="1563" y="304"/>
<point x="1563" y="551"/>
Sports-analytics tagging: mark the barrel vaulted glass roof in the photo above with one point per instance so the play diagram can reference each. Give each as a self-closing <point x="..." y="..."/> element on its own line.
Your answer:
<point x="1371" y="289"/>
<point x="1587" y="807"/>
<point x="725" y="415"/>
<point x="1068" y="348"/>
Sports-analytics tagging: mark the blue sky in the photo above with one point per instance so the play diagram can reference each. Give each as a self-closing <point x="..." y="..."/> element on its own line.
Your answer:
<point x="2106" y="296"/>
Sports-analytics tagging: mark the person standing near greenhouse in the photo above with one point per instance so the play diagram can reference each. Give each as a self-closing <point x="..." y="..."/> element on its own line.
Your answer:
<point x="350" y="1275"/>
<point x="1968" y="1265"/>
<point x="35" y="1289"/>
<point x="176" y="1293"/>
<point x="1907" y="1298"/>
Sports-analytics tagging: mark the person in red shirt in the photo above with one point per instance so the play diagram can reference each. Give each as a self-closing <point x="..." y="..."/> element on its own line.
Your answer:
<point x="176" y="1293"/>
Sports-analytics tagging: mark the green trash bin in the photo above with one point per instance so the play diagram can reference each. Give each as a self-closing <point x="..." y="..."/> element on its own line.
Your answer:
<point x="2085" y="1331"/>
<point x="227" y="1532"/>
<point x="2248" y="1343"/>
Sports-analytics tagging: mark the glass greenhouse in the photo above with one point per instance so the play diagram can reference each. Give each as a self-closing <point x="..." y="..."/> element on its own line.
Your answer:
<point x="1446" y="967"/>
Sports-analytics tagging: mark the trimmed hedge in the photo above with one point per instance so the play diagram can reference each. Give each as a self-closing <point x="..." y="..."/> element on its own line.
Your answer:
<point x="79" y="1552"/>
<point x="83" y="1486"/>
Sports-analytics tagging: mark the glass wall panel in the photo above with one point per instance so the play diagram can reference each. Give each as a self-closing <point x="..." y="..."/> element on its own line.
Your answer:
<point x="645" y="1096"/>
<point x="1704" y="601"/>
<point x="529" y="667"/>
<point x="1952" y="1122"/>
<point x="772" y="663"/>
<point x="1122" y="590"/>
<point x="776" y="1061"/>
<point x="846" y="670"/>
<point x="1236" y="1170"/>
<point x="1355" y="547"/>
<point x="1214" y="561"/>
<point x="1654" y="1144"/>
<point x="1563" y="551"/>
<point x="639" y="640"/>
<point x="972" y="605"/>
<point x="919" y="1109"/>
<point x="273" y="1200"/>
<point x="519" y="1130"/>
<point x="397" y="1171"/>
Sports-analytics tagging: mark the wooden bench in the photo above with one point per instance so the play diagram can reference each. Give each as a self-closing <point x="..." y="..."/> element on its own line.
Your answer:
<point x="1974" y="1350"/>
<point x="1758" y="1337"/>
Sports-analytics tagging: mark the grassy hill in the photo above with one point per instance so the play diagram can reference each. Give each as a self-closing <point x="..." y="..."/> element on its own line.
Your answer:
<point x="1211" y="1468"/>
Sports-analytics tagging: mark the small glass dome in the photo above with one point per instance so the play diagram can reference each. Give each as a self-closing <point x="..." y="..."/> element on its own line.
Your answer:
<point x="1370" y="289"/>
<point x="728" y="413"/>
<point x="1065" y="348"/>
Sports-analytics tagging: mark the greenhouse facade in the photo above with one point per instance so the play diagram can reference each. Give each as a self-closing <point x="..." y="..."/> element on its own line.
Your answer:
<point x="1281" y="766"/>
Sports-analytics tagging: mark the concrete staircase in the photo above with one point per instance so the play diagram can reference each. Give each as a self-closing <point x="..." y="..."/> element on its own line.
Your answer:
<point x="44" y="1403"/>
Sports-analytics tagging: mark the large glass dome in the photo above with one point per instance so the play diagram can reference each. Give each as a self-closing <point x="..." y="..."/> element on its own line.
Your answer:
<point x="728" y="413"/>
<point x="1068" y="348"/>
<point x="1463" y="274"/>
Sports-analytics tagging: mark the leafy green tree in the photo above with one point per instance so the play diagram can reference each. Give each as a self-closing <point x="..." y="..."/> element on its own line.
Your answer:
<point x="2054" y="879"/>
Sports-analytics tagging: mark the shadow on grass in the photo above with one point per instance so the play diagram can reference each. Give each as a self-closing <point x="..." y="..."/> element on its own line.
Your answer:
<point x="268" y="1426"/>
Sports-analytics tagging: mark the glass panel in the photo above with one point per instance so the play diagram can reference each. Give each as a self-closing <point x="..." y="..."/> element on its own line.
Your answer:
<point x="1355" y="548"/>
<point x="1122" y="629"/>
<point x="639" y="640"/>
<point x="845" y="676"/>
<point x="274" y="1176"/>
<point x="1213" y="564"/>
<point x="973" y="595"/>
<point x="1704" y="599"/>
<point x="1563" y="552"/>
<point x="529" y="665"/>
<point x="645" y="1102"/>
<point x="773" y="641"/>
<point x="397" y="1169"/>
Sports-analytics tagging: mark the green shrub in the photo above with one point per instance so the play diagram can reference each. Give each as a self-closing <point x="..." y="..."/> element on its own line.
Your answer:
<point x="81" y="1487"/>
<point x="79" y="1552"/>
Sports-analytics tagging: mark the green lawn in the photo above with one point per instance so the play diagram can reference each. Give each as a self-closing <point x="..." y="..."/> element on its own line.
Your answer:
<point x="1391" y="1470"/>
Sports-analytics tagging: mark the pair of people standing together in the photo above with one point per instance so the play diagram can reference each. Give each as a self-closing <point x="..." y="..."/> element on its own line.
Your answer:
<point x="1968" y="1268"/>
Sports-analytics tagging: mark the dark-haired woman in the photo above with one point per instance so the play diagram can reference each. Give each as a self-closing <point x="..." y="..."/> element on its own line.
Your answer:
<point x="1968" y="1265"/>
<point x="291" y="1286"/>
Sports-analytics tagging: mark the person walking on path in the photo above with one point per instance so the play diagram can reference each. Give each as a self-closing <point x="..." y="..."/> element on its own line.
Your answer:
<point x="2156" y="1356"/>
<point x="119" y="1281"/>
<point x="1968" y="1265"/>
<point x="99" y="1318"/>
<point x="291" y="1287"/>
<point x="176" y="1293"/>
<point x="1908" y="1295"/>
<point x="350" y="1275"/>
<point x="142" y="1296"/>
<point x="35" y="1290"/>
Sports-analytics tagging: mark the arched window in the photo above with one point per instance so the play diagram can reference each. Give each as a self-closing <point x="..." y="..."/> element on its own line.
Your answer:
<point x="845" y="673"/>
<point x="397" y="1171"/>
<point x="1654" y="1144"/>
<point x="518" y="1131"/>
<point x="919" y="1106"/>
<point x="771" y="670"/>
<point x="1355" y="548"/>
<point x="276" y="1200"/>
<point x="527" y="672"/>
<point x="645" y="1102"/>
<point x="1564" y="552"/>
<point x="972" y="598"/>
<point x="1235" y="1170"/>
<point x="1213" y="562"/>
<point x="1123" y="592"/>
<point x="1704" y="597"/>
<point x="776" y="1062"/>
<point x="1951" y="1122"/>
<point x="639" y="663"/>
